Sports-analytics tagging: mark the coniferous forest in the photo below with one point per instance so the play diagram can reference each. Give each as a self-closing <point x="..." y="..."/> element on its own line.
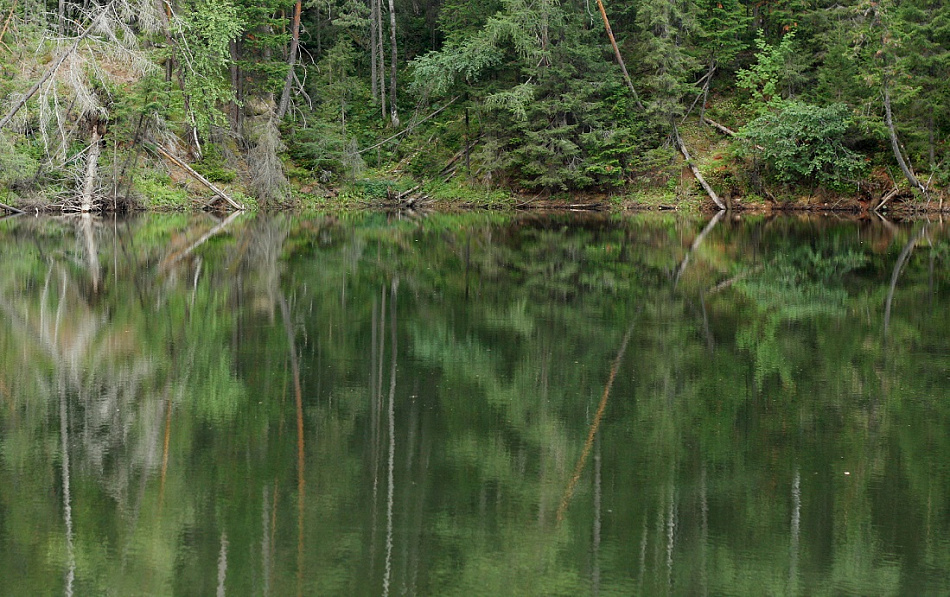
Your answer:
<point x="176" y="104"/>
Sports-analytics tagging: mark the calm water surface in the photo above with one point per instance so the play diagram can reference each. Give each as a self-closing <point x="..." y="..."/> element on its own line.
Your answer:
<point x="474" y="405"/>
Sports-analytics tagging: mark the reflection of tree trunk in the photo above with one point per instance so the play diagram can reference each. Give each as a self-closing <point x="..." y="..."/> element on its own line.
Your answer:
<point x="594" y="427"/>
<point x="374" y="433"/>
<point x="670" y="538"/>
<point x="67" y="495"/>
<point x="168" y="434"/>
<point x="387" y="575"/>
<point x="710" y="340"/>
<point x="795" y="534"/>
<point x="176" y="257"/>
<point x="643" y="555"/>
<point x="595" y="549"/>
<point x="704" y="537"/>
<point x="265" y="539"/>
<point x="92" y="255"/>
<point x="222" y="564"/>
<point x="901" y="260"/>
<point x="298" y="399"/>
<point x="696" y="243"/>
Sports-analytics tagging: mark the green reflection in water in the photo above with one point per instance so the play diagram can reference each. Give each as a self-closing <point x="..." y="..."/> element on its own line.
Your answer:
<point x="363" y="405"/>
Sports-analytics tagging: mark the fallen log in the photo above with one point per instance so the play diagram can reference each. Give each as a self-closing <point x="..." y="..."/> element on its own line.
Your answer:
<point x="696" y="173"/>
<point x="11" y="209"/>
<point x="726" y="130"/>
<point x="207" y="183"/>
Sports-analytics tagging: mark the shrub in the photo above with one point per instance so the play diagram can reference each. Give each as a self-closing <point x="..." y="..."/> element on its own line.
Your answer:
<point x="805" y="143"/>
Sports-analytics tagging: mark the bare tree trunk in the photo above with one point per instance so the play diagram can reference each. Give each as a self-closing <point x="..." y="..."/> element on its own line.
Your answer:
<point x="373" y="49"/>
<point x="896" y="146"/>
<point x="394" y="116"/>
<point x="11" y="209"/>
<point x="92" y="167"/>
<point x="291" y="61"/>
<point x="613" y="42"/>
<point x="382" y="56"/>
<point x="709" y="77"/>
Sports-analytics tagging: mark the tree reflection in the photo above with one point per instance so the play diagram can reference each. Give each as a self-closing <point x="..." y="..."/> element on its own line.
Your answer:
<point x="356" y="405"/>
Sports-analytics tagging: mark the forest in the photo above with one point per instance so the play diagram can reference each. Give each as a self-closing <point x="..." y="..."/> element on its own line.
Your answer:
<point x="182" y="104"/>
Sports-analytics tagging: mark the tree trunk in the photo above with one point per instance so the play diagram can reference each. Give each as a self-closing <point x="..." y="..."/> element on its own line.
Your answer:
<point x="392" y="75"/>
<point x="613" y="42"/>
<point x="373" y="49"/>
<point x="92" y="167"/>
<point x="382" y="60"/>
<point x="291" y="62"/>
<point x="235" y="86"/>
<point x="709" y="77"/>
<point x="896" y="146"/>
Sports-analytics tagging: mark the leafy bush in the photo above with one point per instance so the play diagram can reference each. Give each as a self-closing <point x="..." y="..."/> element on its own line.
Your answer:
<point x="803" y="143"/>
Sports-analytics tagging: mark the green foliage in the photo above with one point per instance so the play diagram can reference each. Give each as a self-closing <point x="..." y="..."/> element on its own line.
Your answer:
<point x="213" y="167"/>
<point x="158" y="192"/>
<point x="208" y="27"/>
<point x="806" y="143"/>
<point x="774" y="75"/>
<point x="15" y="165"/>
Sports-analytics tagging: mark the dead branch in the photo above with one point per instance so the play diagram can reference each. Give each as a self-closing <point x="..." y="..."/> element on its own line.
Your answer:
<point x="718" y="126"/>
<point x="408" y="128"/>
<point x="52" y="70"/>
<point x="6" y="23"/>
<point x="887" y="197"/>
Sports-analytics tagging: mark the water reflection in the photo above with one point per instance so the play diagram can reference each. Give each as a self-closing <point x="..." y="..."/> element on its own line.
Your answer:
<point x="473" y="405"/>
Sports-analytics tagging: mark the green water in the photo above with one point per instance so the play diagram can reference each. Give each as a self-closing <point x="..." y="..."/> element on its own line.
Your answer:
<point x="474" y="405"/>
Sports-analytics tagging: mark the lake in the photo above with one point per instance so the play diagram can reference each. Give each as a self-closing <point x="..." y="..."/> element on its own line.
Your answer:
<point x="474" y="404"/>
